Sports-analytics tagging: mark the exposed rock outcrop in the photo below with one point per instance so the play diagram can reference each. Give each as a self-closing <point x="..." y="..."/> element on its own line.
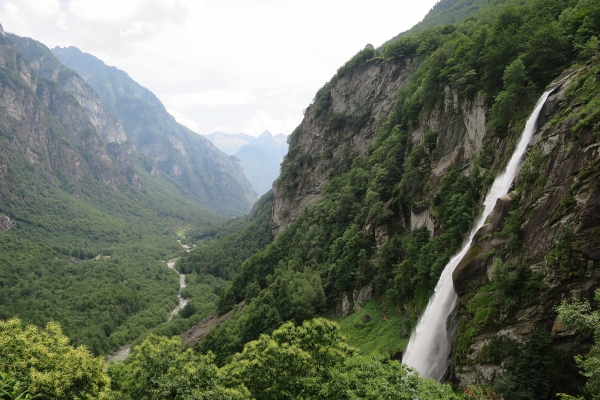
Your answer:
<point x="559" y="203"/>
<point x="5" y="222"/>
<point x="196" y="333"/>
<point x="321" y="149"/>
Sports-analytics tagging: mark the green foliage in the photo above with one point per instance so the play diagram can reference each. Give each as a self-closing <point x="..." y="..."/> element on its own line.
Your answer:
<point x="568" y="253"/>
<point x="309" y="361"/>
<point x="535" y="362"/>
<point x="492" y="305"/>
<point x="381" y="334"/>
<point x="579" y="315"/>
<point x="161" y="368"/>
<point x="444" y="12"/>
<point x="41" y="364"/>
<point x="585" y="92"/>
<point x="512" y="103"/>
<point x="221" y="249"/>
<point x="11" y="388"/>
<point x="358" y="59"/>
<point x="313" y="361"/>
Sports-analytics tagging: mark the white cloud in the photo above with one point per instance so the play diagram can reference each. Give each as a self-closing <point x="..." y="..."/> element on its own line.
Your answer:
<point x="261" y="122"/>
<point x="137" y="28"/>
<point x="211" y="98"/>
<point x="106" y="10"/>
<point x="189" y="123"/>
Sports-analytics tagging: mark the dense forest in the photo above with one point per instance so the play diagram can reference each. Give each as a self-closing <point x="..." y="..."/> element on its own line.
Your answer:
<point x="296" y="328"/>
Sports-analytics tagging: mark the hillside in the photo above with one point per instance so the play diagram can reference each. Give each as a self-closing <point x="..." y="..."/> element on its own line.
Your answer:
<point x="319" y="290"/>
<point x="202" y="172"/>
<point x="444" y="12"/>
<point x="85" y="231"/>
<point x="386" y="173"/>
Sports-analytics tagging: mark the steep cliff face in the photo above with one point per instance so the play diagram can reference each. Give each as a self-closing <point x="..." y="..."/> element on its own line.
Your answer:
<point x="330" y="136"/>
<point x="545" y="240"/>
<point x="541" y="244"/>
<point x="45" y="64"/>
<point x="197" y="166"/>
<point x="31" y="132"/>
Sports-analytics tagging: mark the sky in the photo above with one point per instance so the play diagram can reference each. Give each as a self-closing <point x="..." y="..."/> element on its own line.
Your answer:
<point x="221" y="65"/>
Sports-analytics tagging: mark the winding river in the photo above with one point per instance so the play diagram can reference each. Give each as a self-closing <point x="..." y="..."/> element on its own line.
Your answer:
<point x="123" y="352"/>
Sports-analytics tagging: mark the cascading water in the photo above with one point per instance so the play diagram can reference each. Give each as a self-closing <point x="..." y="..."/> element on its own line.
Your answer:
<point x="429" y="346"/>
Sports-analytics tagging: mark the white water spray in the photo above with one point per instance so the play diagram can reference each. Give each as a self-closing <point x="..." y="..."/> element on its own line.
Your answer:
<point x="429" y="346"/>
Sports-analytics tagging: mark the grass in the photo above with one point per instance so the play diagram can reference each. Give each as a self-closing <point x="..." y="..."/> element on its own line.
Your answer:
<point x="382" y="334"/>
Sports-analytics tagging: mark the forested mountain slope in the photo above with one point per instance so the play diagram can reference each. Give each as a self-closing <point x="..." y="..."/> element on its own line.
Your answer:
<point x="444" y="12"/>
<point x="84" y="232"/>
<point x="212" y="178"/>
<point x="383" y="179"/>
<point x="386" y="173"/>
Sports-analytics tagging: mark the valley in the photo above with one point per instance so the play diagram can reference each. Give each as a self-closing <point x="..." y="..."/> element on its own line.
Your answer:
<point x="437" y="208"/>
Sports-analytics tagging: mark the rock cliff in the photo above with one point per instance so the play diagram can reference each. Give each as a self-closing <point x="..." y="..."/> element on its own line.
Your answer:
<point x="541" y="244"/>
<point x="555" y="215"/>
<point x="47" y="127"/>
<point x="330" y="136"/>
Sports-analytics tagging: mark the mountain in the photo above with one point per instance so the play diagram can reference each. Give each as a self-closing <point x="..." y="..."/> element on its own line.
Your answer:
<point x="229" y="143"/>
<point x="84" y="227"/>
<point x="386" y="175"/>
<point x="444" y="12"/>
<point x="260" y="156"/>
<point x="200" y="170"/>
<point x="383" y="182"/>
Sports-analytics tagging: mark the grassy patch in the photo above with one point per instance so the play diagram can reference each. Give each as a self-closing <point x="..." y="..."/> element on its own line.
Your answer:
<point x="382" y="334"/>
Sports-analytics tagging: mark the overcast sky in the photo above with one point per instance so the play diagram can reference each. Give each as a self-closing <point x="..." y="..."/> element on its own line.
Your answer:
<point x="222" y="65"/>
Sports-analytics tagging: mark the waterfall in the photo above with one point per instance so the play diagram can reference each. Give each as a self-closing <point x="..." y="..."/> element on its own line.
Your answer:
<point x="429" y="346"/>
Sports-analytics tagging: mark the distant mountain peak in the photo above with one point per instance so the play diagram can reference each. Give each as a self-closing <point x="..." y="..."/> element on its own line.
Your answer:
<point x="265" y="134"/>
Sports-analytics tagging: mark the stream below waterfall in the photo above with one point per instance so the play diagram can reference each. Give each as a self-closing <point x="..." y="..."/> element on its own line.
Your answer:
<point x="429" y="347"/>
<point x="123" y="352"/>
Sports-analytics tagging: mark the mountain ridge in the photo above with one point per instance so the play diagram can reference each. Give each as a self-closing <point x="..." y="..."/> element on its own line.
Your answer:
<point x="186" y="157"/>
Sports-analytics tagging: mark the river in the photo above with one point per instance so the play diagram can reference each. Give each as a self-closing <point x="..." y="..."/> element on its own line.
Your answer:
<point x="123" y="352"/>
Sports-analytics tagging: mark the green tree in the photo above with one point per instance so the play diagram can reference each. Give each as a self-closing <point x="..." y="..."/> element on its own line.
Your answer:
<point x="291" y="363"/>
<point x="518" y="93"/>
<point x="380" y="378"/>
<point x="162" y="368"/>
<point x="42" y="362"/>
<point x="579" y="315"/>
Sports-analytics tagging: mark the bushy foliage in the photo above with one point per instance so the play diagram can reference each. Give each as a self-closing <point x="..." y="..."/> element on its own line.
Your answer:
<point x="309" y="361"/>
<point x="579" y="315"/>
<point x="535" y="362"/>
<point x="45" y="366"/>
<point x="162" y="368"/>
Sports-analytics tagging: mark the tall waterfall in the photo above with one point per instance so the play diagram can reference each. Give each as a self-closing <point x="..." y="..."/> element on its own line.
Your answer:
<point x="429" y="346"/>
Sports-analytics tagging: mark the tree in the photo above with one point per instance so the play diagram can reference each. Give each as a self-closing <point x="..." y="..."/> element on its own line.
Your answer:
<point x="518" y="93"/>
<point x="313" y="361"/>
<point x="43" y="364"/>
<point x="579" y="315"/>
<point x="162" y="368"/>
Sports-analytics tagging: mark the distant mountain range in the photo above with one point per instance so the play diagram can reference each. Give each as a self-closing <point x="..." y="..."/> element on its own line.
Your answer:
<point x="192" y="164"/>
<point x="261" y="156"/>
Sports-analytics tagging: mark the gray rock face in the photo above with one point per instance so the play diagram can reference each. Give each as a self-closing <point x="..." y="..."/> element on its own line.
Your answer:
<point x="565" y="198"/>
<point x="45" y="64"/>
<point x="26" y="120"/>
<point x="318" y="151"/>
<point x="5" y="223"/>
